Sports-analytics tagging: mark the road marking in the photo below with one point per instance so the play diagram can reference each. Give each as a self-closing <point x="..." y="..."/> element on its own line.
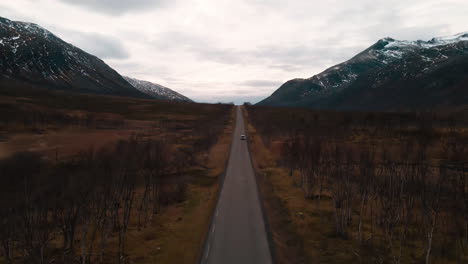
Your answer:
<point x="213" y="229"/>
<point x="207" y="251"/>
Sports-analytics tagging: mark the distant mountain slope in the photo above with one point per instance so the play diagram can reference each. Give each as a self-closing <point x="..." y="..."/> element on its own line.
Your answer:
<point x="31" y="55"/>
<point x="156" y="91"/>
<point x="389" y="75"/>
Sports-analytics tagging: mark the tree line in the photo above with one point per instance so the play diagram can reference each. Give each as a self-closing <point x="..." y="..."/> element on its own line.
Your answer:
<point x="394" y="179"/>
<point x="68" y="210"/>
<point x="87" y="198"/>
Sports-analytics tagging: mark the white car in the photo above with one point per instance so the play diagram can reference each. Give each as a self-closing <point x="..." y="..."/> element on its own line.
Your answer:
<point x="243" y="137"/>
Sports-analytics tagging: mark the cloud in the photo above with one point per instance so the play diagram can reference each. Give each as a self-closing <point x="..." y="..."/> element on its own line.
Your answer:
<point x="374" y="19"/>
<point x="101" y="45"/>
<point x="261" y="83"/>
<point x="117" y="7"/>
<point x="198" y="45"/>
<point x="286" y="67"/>
<point x="238" y="100"/>
<point x="9" y="13"/>
<point x="289" y="56"/>
<point x="214" y="50"/>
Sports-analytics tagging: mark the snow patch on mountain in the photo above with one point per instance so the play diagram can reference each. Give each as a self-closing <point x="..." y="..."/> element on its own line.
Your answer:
<point x="435" y="42"/>
<point x="407" y="59"/>
<point x="34" y="55"/>
<point x="25" y="37"/>
<point x="156" y="91"/>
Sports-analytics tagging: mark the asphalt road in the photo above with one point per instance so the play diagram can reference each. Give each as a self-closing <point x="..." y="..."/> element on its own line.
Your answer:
<point x="237" y="234"/>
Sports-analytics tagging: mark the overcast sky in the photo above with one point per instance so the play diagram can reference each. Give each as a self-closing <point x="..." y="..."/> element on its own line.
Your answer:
<point x="234" y="50"/>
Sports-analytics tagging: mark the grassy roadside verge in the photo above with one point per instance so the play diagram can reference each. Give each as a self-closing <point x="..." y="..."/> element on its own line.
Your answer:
<point x="302" y="231"/>
<point x="178" y="233"/>
<point x="287" y="244"/>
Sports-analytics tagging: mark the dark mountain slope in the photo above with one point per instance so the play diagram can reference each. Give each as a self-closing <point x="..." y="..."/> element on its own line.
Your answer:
<point x="31" y="55"/>
<point x="389" y="75"/>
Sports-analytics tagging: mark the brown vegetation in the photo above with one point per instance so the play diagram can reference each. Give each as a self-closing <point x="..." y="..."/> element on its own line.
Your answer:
<point x="105" y="202"/>
<point x="367" y="187"/>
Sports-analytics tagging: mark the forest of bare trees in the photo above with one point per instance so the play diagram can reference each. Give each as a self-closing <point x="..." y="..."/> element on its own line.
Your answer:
<point x="396" y="181"/>
<point x="67" y="210"/>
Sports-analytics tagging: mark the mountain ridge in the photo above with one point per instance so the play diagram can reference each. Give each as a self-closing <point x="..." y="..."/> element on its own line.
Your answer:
<point x="387" y="63"/>
<point x="34" y="56"/>
<point x="156" y="91"/>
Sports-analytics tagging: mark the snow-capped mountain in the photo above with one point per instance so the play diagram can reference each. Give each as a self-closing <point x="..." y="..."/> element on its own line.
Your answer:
<point x="32" y="56"/>
<point x="390" y="74"/>
<point x="156" y="91"/>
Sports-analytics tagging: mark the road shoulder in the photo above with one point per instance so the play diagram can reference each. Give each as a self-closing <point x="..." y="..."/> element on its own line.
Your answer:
<point x="285" y="245"/>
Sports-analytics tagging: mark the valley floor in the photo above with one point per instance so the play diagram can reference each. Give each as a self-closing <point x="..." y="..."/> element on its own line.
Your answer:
<point x="303" y="217"/>
<point x="191" y="141"/>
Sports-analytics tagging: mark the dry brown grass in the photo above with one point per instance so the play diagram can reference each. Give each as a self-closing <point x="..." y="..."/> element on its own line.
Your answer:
<point x="65" y="141"/>
<point x="48" y="121"/>
<point x="304" y="229"/>
<point x="288" y="244"/>
<point x="299" y="226"/>
<point x="176" y="235"/>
